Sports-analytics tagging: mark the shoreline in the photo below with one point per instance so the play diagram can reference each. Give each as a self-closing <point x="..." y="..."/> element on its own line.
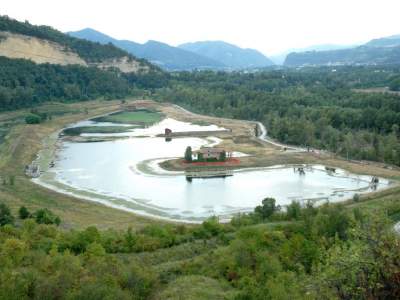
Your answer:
<point x="150" y="211"/>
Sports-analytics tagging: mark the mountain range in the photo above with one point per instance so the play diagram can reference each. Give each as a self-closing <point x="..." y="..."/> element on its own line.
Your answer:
<point x="228" y="54"/>
<point x="216" y="55"/>
<point x="279" y="58"/>
<point x="377" y="51"/>
<point x="89" y="47"/>
<point x="164" y="55"/>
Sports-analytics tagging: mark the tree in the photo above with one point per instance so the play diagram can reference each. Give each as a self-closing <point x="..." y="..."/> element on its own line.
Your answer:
<point x="267" y="208"/>
<point x="5" y="215"/>
<point x="394" y="85"/>
<point x="23" y="213"/>
<point x="293" y="210"/>
<point x="188" y="154"/>
<point x="14" y="249"/>
<point x="130" y="240"/>
<point x="356" y="198"/>
<point x="222" y="156"/>
<point x="45" y="216"/>
<point x="33" y="119"/>
<point x="94" y="250"/>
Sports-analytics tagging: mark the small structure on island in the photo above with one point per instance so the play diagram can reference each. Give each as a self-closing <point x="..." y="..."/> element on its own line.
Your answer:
<point x="374" y="183"/>
<point x="299" y="170"/>
<point x="208" y="152"/>
<point x="375" y="180"/>
<point x="167" y="132"/>
<point x="207" y="155"/>
<point x="204" y="174"/>
<point x="330" y="169"/>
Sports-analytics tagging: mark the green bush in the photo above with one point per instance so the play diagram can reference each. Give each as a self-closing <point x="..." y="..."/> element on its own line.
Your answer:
<point x="222" y="156"/>
<point x="33" y="119"/>
<point x="5" y="215"/>
<point x="45" y="216"/>
<point x="356" y="198"/>
<point x="23" y="213"/>
<point x="293" y="210"/>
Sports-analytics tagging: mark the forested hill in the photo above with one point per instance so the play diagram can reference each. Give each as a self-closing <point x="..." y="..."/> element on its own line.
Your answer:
<point x="383" y="51"/>
<point x="91" y="53"/>
<point x="232" y="56"/>
<point x="39" y="64"/>
<point x="390" y="41"/>
<point x="26" y="84"/>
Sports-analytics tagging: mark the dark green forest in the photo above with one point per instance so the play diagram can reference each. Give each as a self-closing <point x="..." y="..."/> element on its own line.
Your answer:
<point x="26" y="84"/>
<point x="315" y="107"/>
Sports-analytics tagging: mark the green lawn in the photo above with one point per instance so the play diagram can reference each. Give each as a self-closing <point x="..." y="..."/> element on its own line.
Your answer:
<point x="143" y="117"/>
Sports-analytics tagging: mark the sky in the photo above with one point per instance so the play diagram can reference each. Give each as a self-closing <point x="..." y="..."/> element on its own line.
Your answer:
<point x="270" y="26"/>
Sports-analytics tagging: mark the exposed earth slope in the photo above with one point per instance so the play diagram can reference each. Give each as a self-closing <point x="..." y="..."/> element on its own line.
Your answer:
<point x="43" y="44"/>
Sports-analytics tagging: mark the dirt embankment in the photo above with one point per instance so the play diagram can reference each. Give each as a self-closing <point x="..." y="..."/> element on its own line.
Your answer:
<point x="43" y="51"/>
<point x="38" y="50"/>
<point x="124" y="64"/>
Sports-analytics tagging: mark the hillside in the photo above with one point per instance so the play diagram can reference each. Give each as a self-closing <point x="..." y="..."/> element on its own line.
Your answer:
<point x="166" y="56"/>
<point x="35" y="49"/>
<point x="377" y="51"/>
<point x="43" y="44"/>
<point x="279" y="58"/>
<point x="390" y="41"/>
<point x="230" y="55"/>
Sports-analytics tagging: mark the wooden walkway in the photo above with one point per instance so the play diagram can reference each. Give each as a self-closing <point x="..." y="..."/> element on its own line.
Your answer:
<point x="208" y="173"/>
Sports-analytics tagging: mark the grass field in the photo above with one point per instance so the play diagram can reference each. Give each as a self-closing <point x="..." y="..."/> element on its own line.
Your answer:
<point x="143" y="117"/>
<point x="74" y="131"/>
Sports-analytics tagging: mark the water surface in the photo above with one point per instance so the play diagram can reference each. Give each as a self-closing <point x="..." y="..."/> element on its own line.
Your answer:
<point x="109" y="172"/>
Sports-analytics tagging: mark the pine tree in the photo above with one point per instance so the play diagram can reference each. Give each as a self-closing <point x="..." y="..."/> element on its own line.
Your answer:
<point x="188" y="154"/>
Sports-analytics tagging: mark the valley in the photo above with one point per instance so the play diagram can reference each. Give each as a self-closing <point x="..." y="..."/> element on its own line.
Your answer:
<point x="198" y="171"/>
<point x="169" y="255"/>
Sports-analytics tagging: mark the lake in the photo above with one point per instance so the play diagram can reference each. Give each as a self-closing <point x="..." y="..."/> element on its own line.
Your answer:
<point x="124" y="173"/>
